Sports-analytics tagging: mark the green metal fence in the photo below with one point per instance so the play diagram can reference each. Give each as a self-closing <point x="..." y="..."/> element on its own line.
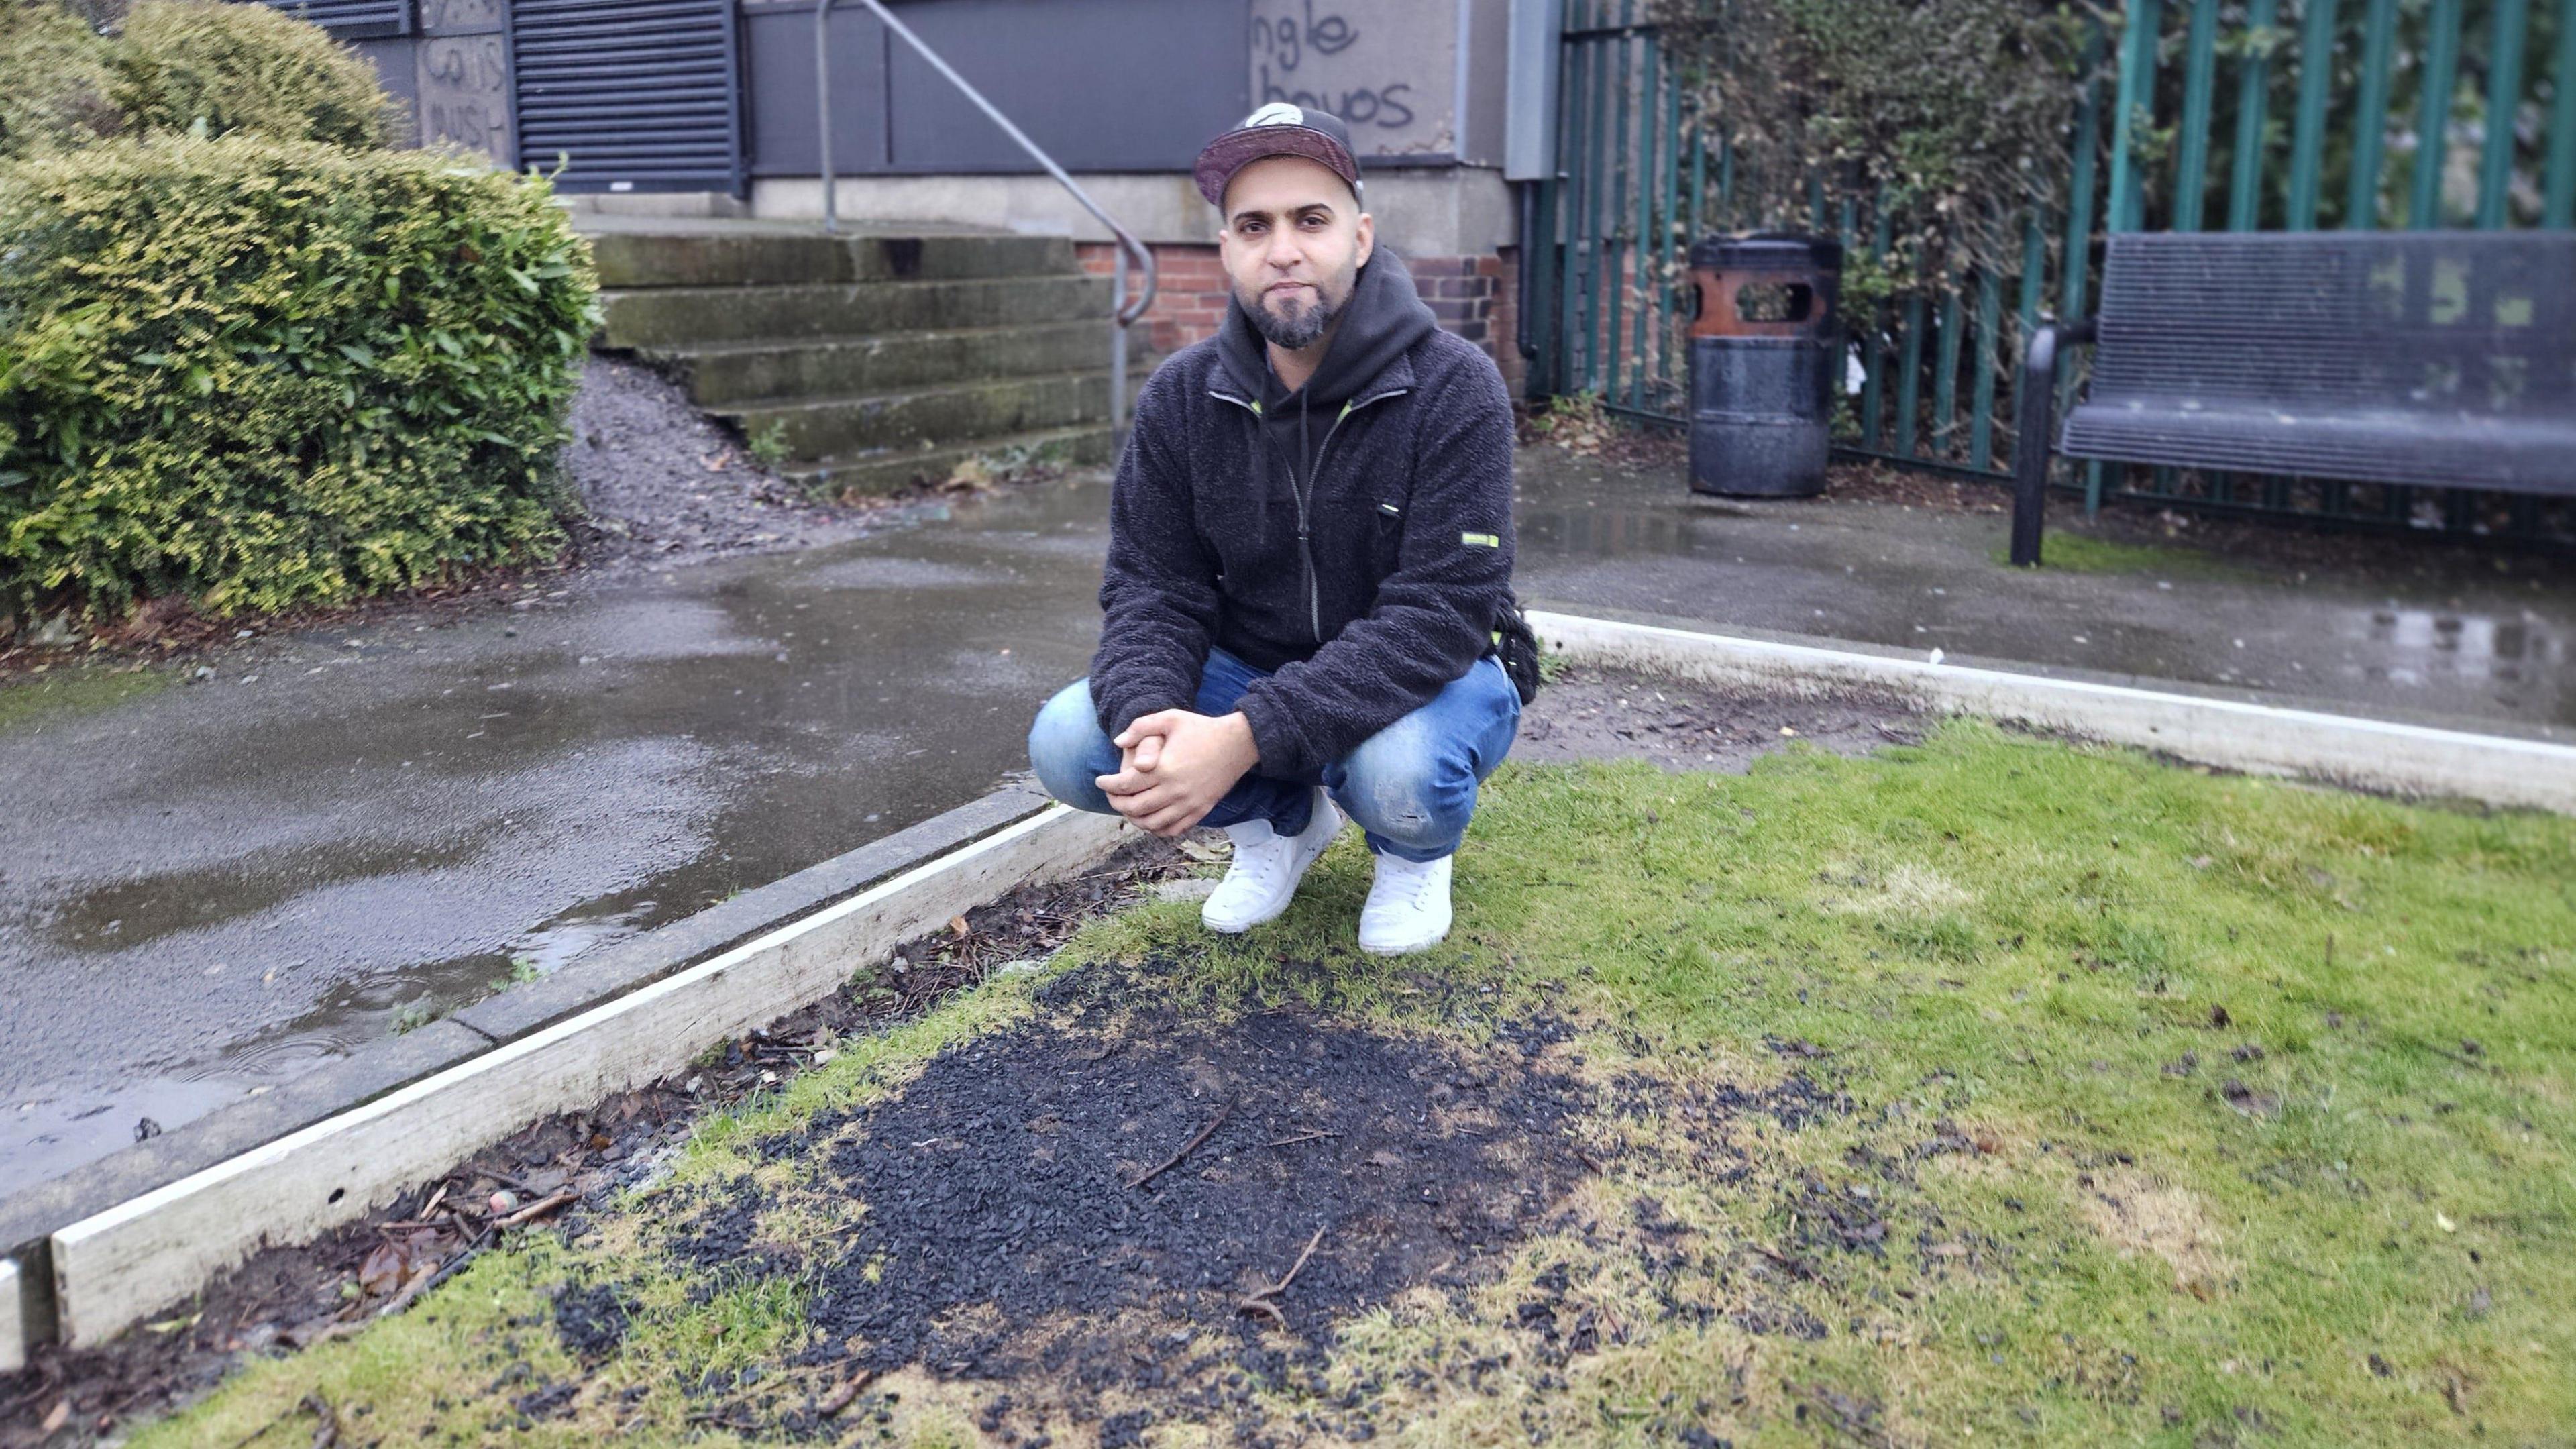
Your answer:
<point x="2202" y="114"/>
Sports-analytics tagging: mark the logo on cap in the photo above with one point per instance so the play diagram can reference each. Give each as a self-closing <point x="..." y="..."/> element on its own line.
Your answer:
<point x="1277" y="113"/>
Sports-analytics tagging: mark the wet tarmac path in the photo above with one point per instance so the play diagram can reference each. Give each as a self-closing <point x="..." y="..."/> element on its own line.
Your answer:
<point x="207" y="888"/>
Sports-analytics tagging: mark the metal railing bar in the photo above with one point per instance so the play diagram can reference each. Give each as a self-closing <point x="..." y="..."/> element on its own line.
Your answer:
<point x="1123" y="309"/>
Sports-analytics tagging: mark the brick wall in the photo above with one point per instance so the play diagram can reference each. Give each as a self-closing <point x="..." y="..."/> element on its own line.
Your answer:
<point x="1475" y="297"/>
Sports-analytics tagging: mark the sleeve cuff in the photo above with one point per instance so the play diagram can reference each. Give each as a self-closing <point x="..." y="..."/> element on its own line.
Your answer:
<point x="1282" y="745"/>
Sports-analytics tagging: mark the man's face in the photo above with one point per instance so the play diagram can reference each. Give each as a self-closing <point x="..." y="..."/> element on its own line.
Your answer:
<point x="1293" y="245"/>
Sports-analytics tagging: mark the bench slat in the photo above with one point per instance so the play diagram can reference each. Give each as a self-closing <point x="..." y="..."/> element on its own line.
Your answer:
<point x="2444" y="358"/>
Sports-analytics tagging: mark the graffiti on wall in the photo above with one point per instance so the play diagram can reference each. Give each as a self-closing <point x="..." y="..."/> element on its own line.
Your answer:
<point x="1381" y="65"/>
<point x="463" y="66"/>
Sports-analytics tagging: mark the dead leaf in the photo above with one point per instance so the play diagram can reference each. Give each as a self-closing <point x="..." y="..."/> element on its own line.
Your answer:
<point x="382" y="1274"/>
<point x="61" y="1415"/>
<point x="957" y="927"/>
<point x="715" y="462"/>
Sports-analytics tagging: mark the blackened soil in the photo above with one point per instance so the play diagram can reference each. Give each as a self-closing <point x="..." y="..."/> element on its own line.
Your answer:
<point x="285" y="1298"/>
<point x="1007" y="1239"/>
<point x="1592" y="714"/>
<point x="592" y="1320"/>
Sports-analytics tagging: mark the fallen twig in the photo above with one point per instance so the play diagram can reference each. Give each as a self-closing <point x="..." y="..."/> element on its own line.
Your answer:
<point x="846" y="1395"/>
<point x="1264" y="1305"/>
<point x="463" y="1256"/>
<point x="274" y="1420"/>
<point x="326" y="1434"/>
<point x="503" y="1178"/>
<point x="1798" y="1266"/>
<point x="538" y="1209"/>
<point x="1187" y="1147"/>
<point x="1303" y="1137"/>
<point x="1260" y="1301"/>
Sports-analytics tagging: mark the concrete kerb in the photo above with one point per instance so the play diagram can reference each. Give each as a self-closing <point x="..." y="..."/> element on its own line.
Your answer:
<point x="625" y="1018"/>
<point x="29" y="1218"/>
<point x="16" y="1336"/>
<point x="2406" y="759"/>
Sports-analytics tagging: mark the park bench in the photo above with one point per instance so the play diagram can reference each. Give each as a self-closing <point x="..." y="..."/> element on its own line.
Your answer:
<point x="2439" y="357"/>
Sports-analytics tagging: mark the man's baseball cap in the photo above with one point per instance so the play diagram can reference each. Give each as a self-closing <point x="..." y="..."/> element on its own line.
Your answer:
<point x="1277" y="129"/>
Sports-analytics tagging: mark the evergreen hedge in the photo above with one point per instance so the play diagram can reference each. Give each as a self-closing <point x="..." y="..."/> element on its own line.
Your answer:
<point x="216" y="68"/>
<point x="261" y="373"/>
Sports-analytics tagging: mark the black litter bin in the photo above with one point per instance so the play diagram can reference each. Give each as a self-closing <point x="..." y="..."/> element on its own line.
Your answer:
<point x="1765" y="353"/>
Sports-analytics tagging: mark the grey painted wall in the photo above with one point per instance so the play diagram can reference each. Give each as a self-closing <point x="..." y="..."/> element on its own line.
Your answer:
<point x="1105" y="85"/>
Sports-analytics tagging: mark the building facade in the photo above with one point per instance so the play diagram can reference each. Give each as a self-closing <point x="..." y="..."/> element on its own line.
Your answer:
<point x="712" y="107"/>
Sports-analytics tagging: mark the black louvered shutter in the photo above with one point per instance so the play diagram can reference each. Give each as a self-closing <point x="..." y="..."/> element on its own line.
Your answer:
<point x="352" y="19"/>
<point x="640" y="95"/>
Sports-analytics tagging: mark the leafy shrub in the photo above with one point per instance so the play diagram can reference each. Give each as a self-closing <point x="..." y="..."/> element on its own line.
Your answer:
<point x="55" y="80"/>
<point x="244" y="68"/>
<point x="1954" y="113"/>
<point x="260" y="373"/>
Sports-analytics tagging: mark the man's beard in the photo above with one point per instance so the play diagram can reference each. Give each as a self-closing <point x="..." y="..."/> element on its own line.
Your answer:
<point x="1301" y="329"/>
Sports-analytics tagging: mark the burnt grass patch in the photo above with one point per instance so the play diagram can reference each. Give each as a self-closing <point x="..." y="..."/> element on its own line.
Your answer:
<point x="1098" y="1210"/>
<point x="1161" y="1202"/>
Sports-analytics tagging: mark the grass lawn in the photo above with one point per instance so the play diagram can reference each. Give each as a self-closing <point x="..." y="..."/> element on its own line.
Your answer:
<point x="1990" y="1090"/>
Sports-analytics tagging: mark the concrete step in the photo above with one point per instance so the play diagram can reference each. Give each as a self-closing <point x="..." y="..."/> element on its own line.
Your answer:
<point x="742" y="374"/>
<point x="891" y="470"/>
<point x="746" y="258"/>
<point x="934" y="416"/>
<point x="674" y="317"/>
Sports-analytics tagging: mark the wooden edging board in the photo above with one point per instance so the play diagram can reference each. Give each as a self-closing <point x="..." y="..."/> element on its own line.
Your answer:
<point x="113" y="1269"/>
<point x="2406" y="759"/>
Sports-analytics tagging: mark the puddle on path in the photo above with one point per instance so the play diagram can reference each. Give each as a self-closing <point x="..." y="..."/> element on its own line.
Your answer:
<point x="2457" y="639"/>
<point x="377" y="833"/>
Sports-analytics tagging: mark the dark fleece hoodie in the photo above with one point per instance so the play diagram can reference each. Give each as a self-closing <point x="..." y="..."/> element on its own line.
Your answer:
<point x="1354" y="537"/>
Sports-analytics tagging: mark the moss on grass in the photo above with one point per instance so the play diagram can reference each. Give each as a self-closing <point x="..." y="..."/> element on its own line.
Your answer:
<point x="2082" y="553"/>
<point x="2171" y="1108"/>
<point x="35" y="699"/>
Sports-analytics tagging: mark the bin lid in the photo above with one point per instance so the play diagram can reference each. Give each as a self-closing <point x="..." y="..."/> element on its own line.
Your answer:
<point x="1769" y="251"/>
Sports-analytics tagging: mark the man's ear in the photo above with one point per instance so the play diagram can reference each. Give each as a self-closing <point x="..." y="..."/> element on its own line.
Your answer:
<point x="1368" y="239"/>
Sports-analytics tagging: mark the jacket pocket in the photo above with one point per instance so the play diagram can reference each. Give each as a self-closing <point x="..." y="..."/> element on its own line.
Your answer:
<point x="1386" y="538"/>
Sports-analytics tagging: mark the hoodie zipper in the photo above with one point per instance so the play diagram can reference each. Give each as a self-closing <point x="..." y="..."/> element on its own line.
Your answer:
<point x="1305" y="535"/>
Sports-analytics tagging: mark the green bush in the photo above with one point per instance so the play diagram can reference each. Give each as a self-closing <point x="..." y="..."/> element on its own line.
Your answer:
<point x="233" y="67"/>
<point x="192" y="66"/>
<point x="55" y="80"/>
<point x="262" y="373"/>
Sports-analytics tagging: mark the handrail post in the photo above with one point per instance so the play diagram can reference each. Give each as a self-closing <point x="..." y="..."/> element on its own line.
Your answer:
<point x="1128" y="311"/>
<point x="823" y="107"/>
<point x="1122" y="315"/>
<point x="1118" y="350"/>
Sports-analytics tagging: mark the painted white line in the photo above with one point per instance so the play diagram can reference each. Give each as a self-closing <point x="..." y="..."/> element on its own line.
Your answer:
<point x="112" y="1269"/>
<point x="2233" y="734"/>
<point x="13" y="1319"/>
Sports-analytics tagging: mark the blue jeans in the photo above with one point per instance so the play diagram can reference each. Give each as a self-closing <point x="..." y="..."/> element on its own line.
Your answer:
<point x="1411" y="786"/>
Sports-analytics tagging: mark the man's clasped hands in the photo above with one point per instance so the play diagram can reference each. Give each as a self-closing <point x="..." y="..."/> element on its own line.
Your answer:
<point x="1174" y="766"/>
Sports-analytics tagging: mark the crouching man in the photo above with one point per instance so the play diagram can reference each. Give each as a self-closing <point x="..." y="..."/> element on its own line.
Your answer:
<point x="1310" y="548"/>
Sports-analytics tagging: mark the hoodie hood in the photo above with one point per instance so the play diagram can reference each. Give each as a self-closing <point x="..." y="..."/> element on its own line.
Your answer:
<point x="1385" y="317"/>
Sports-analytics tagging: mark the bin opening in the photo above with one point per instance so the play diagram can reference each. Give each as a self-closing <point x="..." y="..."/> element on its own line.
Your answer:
<point x="1774" y="301"/>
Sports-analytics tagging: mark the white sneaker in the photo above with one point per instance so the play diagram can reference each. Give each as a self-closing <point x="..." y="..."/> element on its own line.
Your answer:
<point x="1408" y="906"/>
<point x="1267" y="867"/>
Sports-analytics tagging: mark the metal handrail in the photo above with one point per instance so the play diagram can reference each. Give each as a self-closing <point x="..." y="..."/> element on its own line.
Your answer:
<point x="1123" y="310"/>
